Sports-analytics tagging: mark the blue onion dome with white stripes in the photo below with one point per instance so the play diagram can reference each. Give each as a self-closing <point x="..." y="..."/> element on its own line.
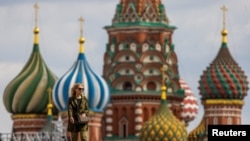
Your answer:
<point x="95" y="87"/>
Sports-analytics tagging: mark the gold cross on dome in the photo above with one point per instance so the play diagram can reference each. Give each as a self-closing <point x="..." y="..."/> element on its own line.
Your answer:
<point x="224" y="9"/>
<point x="81" y="25"/>
<point x="36" y="9"/>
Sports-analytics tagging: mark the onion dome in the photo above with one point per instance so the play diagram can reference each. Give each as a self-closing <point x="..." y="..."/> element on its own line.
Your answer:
<point x="141" y="13"/>
<point x="163" y="126"/>
<point x="190" y="103"/>
<point x="223" y="78"/>
<point x="28" y="91"/>
<point x="95" y="88"/>
<point x="198" y="132"/>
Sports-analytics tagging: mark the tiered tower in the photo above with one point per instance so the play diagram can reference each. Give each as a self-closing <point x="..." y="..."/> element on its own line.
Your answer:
<point x="27" y="95"/>
<point x="223" y="86"/>
<point x="139" y="44"/>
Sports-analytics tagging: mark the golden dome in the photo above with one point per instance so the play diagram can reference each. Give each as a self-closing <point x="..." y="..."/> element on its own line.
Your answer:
<point x="163" y="126"/>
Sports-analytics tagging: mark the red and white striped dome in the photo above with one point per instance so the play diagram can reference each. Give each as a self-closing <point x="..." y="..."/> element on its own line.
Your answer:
<point x="190" y="103"/>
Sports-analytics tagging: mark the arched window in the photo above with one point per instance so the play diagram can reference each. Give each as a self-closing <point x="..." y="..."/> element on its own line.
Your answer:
<point x="229" y="121"/>
<point x="153" y="111"/>
<point x="127" y="86"/>
<point x="238" y="121"/>
<point x="151" y="86"/>
<point x="127" y="58"/>
<point x="123" y="127"/>
<point x="215" y="120"/>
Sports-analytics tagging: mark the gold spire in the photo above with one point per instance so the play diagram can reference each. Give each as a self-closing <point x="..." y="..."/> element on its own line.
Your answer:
<point x="81" y="40"/>
<point x="224" y="31"/>
<point x="50" y="105"/>
<point x="36" y="29"/>
<point x="163" y="87"/>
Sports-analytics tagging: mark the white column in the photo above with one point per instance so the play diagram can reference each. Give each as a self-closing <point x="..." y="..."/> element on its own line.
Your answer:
<point x="138" y="117"/>
<point x="109" y="121"/>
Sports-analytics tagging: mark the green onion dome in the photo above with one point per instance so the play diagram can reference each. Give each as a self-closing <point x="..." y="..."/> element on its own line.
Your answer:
<point x="163" y="126"/>
<point x="223" y="78"/>
<point x="28" y="92"/>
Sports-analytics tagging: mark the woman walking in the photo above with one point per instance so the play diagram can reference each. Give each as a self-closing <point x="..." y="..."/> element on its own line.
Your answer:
<point x="78" y="104"/>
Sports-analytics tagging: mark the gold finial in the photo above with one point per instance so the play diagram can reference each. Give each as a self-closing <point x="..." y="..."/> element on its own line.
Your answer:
<point x="224" y="31"/>
<point x="81" y="40"/>
<point x="163" y="87"/>
<point x="36" y="11"/>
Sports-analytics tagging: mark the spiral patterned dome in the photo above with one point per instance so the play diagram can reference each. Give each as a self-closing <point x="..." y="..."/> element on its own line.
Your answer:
<point x="190" y="104"/>
<point x="163" y="126"/>
<point x="223" y="79"/>
<point x="96" y="89"/>
<point x="28" y="91"/>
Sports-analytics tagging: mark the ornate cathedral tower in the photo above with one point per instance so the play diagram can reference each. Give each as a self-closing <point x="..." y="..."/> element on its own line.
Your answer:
<point x="139" y="44"/>
<point x="223" y="86"/>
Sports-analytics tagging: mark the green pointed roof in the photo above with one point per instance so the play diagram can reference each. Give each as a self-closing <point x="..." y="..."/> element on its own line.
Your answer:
<point x="140" y="13"/>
